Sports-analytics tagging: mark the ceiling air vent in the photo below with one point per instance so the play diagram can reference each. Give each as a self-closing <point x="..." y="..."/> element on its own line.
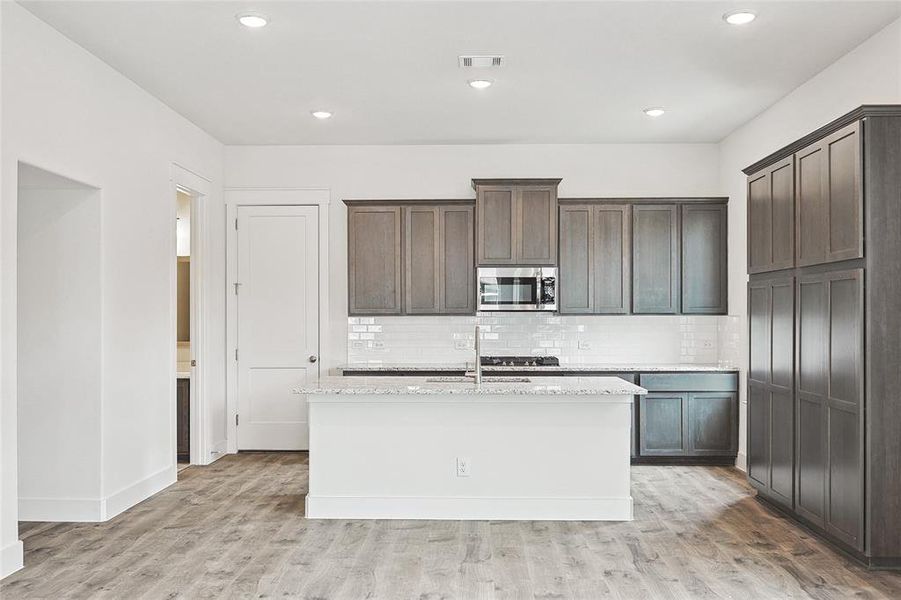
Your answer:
<point x="481" y="61"/>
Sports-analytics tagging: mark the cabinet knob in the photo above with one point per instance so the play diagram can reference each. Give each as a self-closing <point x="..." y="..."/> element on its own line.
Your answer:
<point x="313" y="358"/>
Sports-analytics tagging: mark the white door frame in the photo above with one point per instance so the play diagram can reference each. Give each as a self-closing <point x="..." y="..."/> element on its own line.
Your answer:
<point x="199" y="189"/>
<point x="267" y="197"/>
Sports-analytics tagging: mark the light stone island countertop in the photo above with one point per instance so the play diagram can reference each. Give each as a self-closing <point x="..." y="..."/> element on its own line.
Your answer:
<point x="503" y="386"/>
<point x="567" y="368"/>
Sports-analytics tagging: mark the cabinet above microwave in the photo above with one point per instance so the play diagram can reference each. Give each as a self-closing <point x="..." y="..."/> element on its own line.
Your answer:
<point x="516" y="221"/>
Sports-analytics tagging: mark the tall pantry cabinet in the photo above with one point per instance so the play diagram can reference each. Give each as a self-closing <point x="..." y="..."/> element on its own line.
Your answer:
<point x="824" y="303"/>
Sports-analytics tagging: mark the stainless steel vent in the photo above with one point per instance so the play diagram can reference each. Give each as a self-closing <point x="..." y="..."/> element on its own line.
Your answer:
<point x="481" y="61"/>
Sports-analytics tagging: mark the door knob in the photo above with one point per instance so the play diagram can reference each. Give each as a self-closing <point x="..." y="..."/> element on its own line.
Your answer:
<point x="313" y="358"/>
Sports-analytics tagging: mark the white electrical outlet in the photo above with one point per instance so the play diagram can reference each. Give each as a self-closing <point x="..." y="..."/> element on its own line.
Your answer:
<point x="584" y="345"/>
<point x="461" y="344"/>
<point x="463" y="466"/>
<point x="708" y="344"/>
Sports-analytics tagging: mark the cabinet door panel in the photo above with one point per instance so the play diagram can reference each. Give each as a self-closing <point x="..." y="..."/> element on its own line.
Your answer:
<point x="782" y="447"/>
<point x="812" y="336"/>
<point x="662" y="423"/>
<point x="704" y="259"/>
<point x="374" y="260"/>
<point x="456" y="277"/>
<point x="536" y="234"/>
<point x="771" y="436"/>
<point x="712" y="424"/>
<point x="759" y="434"/>
<point x="845" y="335"/>
<point x="771" y="218"/>
<point x="811" y="432"/>
<point x="811" y="205"/>
<point x="844" y="515"/>
<point x="655" y="259"/>
<point x="421" y="260"/>
<point x="760" y="220"/>
<point x="845" y="199"/>
<point x="782" y="354"/>
<point x="577" y="258"/>
<point x="496" y="216"/>
<point x="782" y="182"/>
<point x="845" y="476"/>
<point x="612" y="259"/>
<point x="759" y="320"/>
<point x="811" y="467"/>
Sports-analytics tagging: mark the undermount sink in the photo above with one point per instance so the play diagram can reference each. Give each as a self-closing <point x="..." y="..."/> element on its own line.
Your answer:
<point x="470" y="379"/>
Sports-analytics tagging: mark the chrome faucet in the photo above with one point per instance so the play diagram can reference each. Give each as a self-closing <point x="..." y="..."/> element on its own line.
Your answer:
<point x="478" y="365"/>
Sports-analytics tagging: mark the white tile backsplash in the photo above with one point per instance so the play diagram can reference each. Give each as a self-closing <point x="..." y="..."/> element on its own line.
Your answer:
<point x="574" y="339"/>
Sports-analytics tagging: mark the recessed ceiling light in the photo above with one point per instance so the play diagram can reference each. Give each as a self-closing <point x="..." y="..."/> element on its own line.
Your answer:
<point x="321" y="114"/>
<point x="480" y="84"/>
<point x="654" y="111"/>
<point x="253" y="20"/>
<point x="739" y="17"/>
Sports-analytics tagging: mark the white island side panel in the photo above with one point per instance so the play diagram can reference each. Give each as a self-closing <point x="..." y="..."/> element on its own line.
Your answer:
<point x="557" y="459"/>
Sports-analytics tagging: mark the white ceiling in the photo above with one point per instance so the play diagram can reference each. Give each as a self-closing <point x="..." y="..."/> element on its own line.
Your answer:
<point x="577" y="72"/>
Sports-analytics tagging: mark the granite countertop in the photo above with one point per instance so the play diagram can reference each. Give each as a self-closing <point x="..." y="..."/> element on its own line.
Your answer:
<point x="587" y="367"/>
<point x="507" y="386"/>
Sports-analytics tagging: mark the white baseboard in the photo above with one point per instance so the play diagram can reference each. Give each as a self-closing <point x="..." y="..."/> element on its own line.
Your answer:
<point x="75" y="510"/>
<point x="219" y="450"/>
<point x="741" y="462"/>
<point x="517" y="509"/>
<point x="128" y="496"/>
<point x="11" y="558"/>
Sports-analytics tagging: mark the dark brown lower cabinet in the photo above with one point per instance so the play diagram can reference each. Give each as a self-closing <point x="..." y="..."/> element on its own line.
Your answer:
<point x="183" y="419"/>
<point x="805" y="398"/>
<point x="830" y="468"/>
<point x="688" y="426"/>
<point x="770" y="389"/>
<point x="662" y="423"/>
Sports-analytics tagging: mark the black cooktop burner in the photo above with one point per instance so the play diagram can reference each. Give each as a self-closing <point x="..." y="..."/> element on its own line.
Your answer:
<point x="520" y="361"/>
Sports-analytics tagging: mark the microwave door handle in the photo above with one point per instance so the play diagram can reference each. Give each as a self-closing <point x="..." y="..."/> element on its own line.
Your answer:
<point x="539" y="291"/>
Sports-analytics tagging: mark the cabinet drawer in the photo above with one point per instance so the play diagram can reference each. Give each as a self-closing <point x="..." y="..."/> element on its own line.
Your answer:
<point x="689" y="382"/>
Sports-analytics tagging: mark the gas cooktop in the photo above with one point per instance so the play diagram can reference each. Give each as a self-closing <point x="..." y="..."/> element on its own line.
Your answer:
<point x="520" y="361"/>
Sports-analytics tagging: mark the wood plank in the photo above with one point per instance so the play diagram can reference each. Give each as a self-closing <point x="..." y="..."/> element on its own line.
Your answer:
<point x="236" y="529"/>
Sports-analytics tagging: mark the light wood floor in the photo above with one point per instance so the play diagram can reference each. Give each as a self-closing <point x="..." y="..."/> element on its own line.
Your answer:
<point x="236" y="529"/>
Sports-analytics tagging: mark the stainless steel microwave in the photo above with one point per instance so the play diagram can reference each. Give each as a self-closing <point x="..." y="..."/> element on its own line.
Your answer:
<point x="517" y="288"/>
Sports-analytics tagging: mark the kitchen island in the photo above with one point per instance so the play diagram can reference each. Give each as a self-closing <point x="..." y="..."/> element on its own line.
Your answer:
<point x="549" y="448"/>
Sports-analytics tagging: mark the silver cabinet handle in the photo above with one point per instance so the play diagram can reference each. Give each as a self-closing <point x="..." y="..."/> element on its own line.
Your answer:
<point x="313" y="358"/>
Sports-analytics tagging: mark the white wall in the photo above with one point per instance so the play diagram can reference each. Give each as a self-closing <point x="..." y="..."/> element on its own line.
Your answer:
<point x="445" y="172"/>
<point x="59" y="388"/>
<point x="10" y="546"/>
<point x="67" y="112"/>
<point x="869" y="74"/>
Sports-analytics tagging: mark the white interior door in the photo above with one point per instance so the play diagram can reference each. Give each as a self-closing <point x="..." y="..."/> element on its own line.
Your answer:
<point x="278" y="323"/>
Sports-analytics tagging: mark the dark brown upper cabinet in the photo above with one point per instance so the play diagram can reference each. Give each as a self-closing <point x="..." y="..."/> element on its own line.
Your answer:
<point x="655" y="259"/>
<point x="704" y="232"/>
<point x="374" y="241"/>
<point x="411" y="258"/>
<point x="771" y="218"/>
<point x="829" y="199"/>
<point x="456" y="267"/>
<point x="623" y="256"/>
<point x="516" y="221"/>
<point x="807" y="208"/>
<point x="595" y="258"/>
